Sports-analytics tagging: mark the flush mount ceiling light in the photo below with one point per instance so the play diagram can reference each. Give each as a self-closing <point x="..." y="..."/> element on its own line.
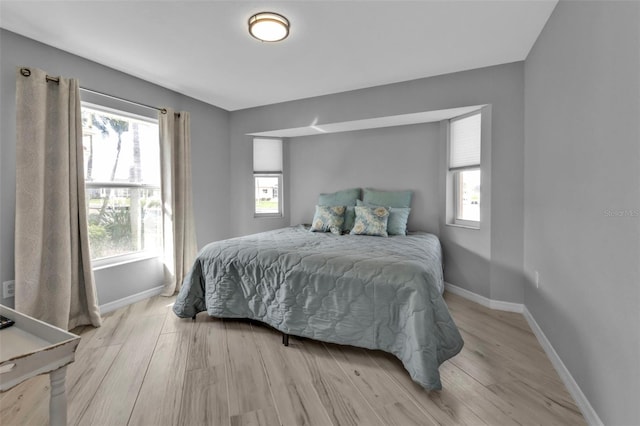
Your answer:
<point x="268" y="26"/>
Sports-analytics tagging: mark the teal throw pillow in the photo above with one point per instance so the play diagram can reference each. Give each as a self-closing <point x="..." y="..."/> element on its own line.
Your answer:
<point x="349" y="218"/>
<point x="371" y="221"/>
<point x="398" y="218"/>
<point x="328" y="218"/>
<point x="387" y="198"/>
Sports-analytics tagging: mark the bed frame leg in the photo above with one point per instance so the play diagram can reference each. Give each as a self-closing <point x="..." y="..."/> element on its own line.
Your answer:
<point x="285" y="339"/>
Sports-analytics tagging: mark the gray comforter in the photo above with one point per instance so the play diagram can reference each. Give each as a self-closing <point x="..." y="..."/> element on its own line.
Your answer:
<point x="371" y="292"/>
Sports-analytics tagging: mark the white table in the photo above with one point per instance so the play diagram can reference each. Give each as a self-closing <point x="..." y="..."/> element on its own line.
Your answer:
<point x="31" y="347"/>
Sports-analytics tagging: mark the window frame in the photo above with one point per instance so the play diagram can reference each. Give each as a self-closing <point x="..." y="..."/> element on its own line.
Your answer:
<point x="457" y="198"/>
<point x="269" y="173"/>
<point x="133" y="256"/>
<point x="279" y="214"/>
<point x="453" y="173"/>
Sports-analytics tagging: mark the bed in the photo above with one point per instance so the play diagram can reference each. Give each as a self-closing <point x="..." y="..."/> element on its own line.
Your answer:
<point x="365" y="291"/>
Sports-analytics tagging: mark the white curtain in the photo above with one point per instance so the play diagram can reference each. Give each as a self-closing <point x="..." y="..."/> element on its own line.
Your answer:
<point x="54" y="279"/>
<point x="180" y="244"/>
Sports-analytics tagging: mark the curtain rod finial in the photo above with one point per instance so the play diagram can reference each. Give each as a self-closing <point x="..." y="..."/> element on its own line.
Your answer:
<point x="25" y="71"/>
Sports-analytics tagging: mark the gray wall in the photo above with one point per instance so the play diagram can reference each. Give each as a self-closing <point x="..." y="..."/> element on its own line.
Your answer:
<point x="582" y="180"/>
<point x="403" y="157"/>
<point x="489" y="261"/>
<point x="210" y="153"/>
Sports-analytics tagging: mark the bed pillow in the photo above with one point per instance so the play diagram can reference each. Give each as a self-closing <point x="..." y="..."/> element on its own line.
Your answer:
<point x="349" y="218"/>
<point x="387" y="198"/>
<point x="398" y="218"/>
<point x="328" y="218"/>
<point x="346" y="197"/>
<point x="371" y="221"/>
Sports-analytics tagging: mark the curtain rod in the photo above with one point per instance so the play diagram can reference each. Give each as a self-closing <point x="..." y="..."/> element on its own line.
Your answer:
<point x="27" y="72"/>
<point x="162" y="110"/>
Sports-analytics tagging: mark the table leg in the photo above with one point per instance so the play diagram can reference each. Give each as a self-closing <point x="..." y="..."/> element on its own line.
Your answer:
<point x="58" y="401"/>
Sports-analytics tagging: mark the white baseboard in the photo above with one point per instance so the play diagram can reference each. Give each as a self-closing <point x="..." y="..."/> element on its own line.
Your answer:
<point x="497" y="305"/>
<point x="117" y="304"/>
<point x="587" y="410"/>
<point x="581" y="400"/>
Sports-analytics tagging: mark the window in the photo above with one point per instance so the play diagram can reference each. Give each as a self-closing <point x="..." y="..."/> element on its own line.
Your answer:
<point x="122" y="183"/>
<point x="464" y="168"/>
<point x="267" y="176"/>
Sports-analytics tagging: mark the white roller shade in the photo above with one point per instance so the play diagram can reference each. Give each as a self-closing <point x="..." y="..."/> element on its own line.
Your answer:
<point x="267" y="155"/>
<point x="465" y="142"/>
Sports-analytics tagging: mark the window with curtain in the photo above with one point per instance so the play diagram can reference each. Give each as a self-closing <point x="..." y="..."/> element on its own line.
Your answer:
<point x="464" y="168"/>
<point x="267" y="176"/>
<point x="122" y="184"/>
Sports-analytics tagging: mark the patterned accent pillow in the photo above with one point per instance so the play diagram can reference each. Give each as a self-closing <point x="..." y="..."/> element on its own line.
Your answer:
<point x="328" y="218"/>
<point x="346" y="197"/>
<point x="398" y="218"/>
<point x="371" y="220"/>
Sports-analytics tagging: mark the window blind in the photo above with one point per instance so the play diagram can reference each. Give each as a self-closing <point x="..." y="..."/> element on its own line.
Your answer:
<point x="465" y="142"/>
<point x="267" y="155"/>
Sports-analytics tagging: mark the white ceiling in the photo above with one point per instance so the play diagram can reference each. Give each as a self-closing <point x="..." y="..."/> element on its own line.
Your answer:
<point x="202" y="48"/>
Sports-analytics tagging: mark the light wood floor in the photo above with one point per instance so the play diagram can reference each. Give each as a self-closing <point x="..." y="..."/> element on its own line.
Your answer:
<point x="144" y="366"/>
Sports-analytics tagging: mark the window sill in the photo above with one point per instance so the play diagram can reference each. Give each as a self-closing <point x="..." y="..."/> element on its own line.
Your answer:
<point x="456" y="225"/>
<point x="107" y="263"/>
<point x="268" y="216"/>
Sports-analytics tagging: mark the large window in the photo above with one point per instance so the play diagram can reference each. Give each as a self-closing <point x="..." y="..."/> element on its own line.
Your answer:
<point x="267" y="176"/>
<point x="464" y="168"/>
<point x="122" y="183"/>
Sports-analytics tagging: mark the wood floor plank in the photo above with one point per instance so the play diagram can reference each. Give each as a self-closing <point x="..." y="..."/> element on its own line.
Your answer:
<point x="539" y="410"/>
<point x="261" y="417"/>
<point x="296" y="399"/>
<point x="115" y="330"/>
<point x="156" y="305"/>
<point x="27" y="403"/>
<point x="402" y="414"/>
<point x="208" y="347"/>
<point x="511" y="318"/>
<point x="84" y="378"/>
<point x="485" y="404"/>
<point x="247" y="383"/>
<point x="491" y="366"/>
<point x="114" y="400"/>
<point x="86" y="333"/>
<point x="339" y="396"/>
<point x="480" y="324"/>
<point x="382" y="394"/>
<point x="486" y="347"/>
<point x="175" y="324"/>
<point x="204" y="400"/>
<point x="298" y="404"/>
<point x="283" y="364"/>
<point x="160" y="397"/>
<point x="444" y="406"/>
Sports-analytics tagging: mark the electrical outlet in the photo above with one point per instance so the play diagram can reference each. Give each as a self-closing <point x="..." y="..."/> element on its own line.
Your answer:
<point x="537" y="279"/>
<point x="8" y="289"/>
